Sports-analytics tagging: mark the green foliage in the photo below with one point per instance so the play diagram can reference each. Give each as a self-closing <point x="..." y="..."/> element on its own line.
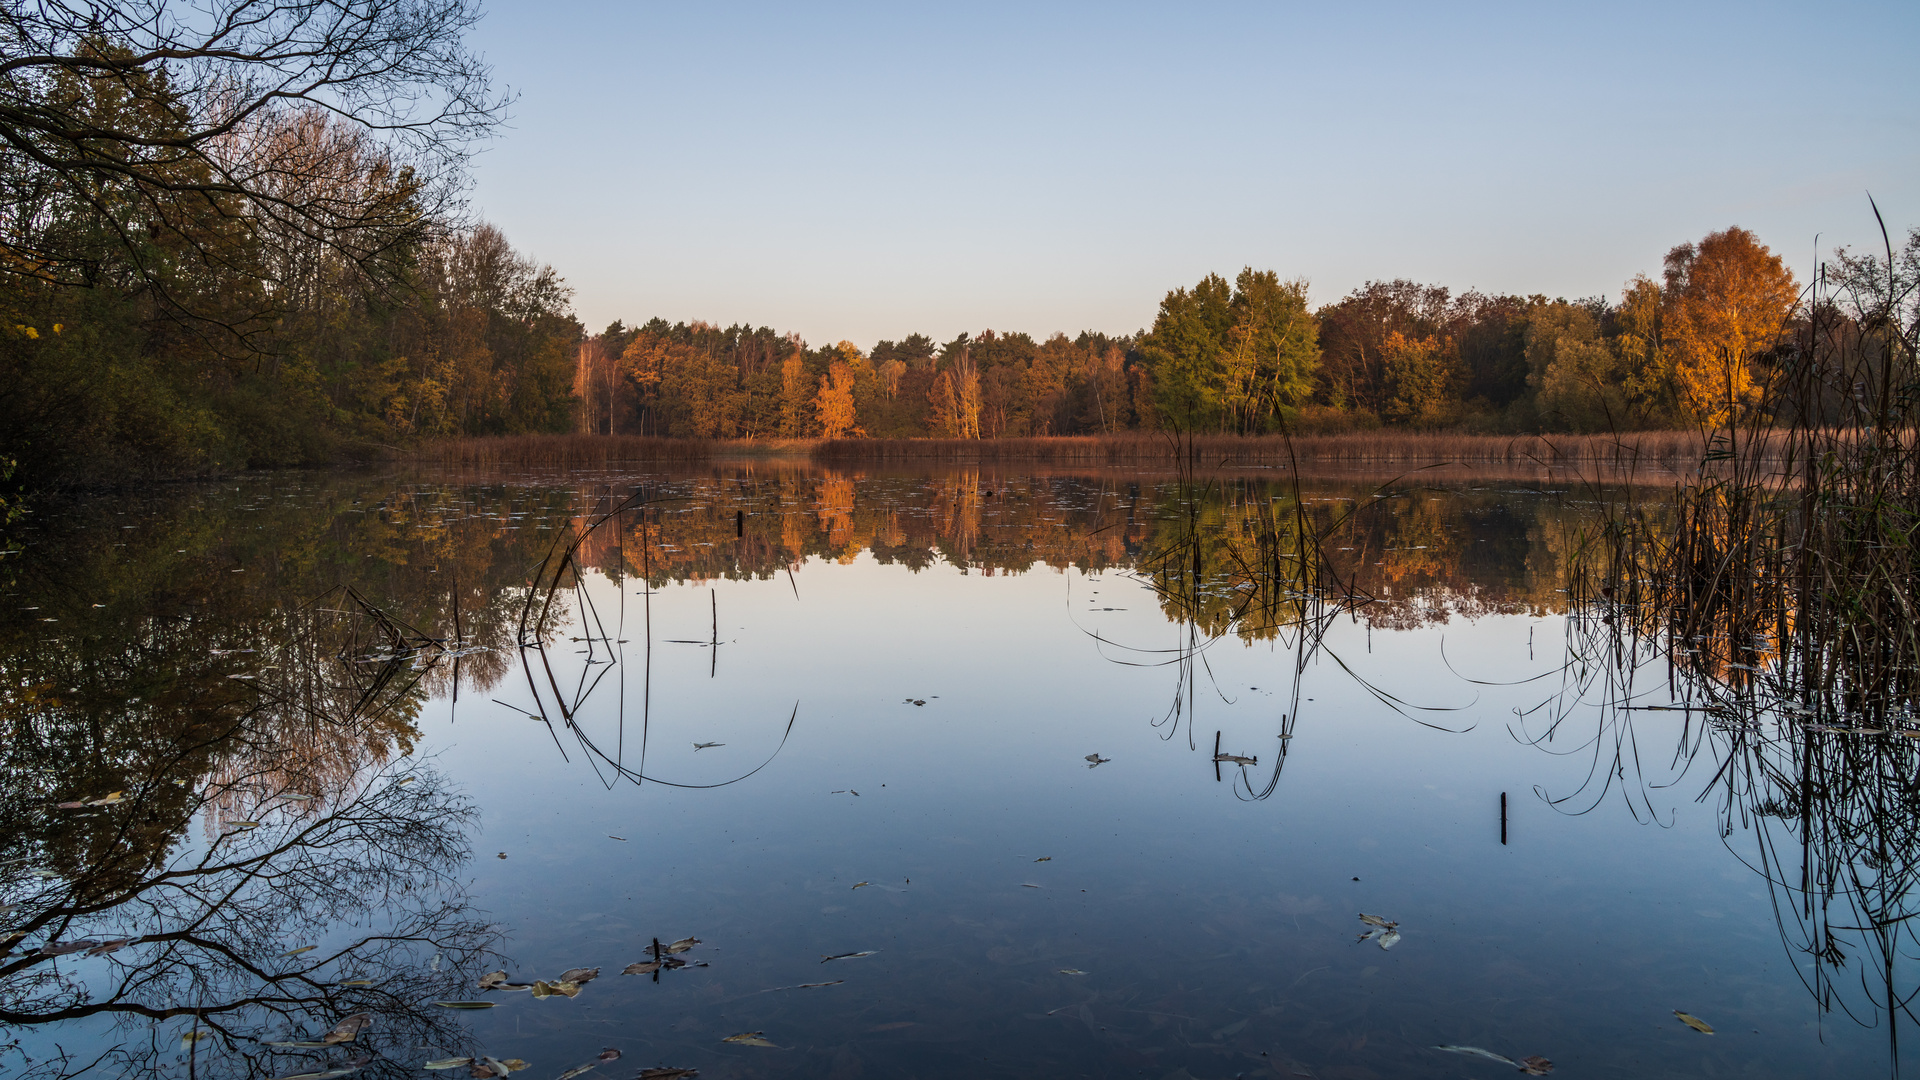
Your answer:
<point x="1232" y="358"/>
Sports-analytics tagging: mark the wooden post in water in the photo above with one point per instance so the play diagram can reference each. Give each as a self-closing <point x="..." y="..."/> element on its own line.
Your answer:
<point x="1503" y="819"/>
<point x="739" y="523"/>
<point x="1216" y="757"/>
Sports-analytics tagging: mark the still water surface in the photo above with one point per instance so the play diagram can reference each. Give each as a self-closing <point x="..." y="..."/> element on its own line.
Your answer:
<point x="958" y="731"/>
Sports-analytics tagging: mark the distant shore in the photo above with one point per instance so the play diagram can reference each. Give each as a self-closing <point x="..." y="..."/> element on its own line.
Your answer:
<point x="1663" y="449"/>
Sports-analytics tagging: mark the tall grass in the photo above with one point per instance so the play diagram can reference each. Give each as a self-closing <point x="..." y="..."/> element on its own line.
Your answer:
<point x="1653" y="448"/>
<point x="557" y="452"/>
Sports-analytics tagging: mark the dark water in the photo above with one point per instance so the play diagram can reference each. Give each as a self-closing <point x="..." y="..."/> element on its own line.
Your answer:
<point x="310" y="695"/>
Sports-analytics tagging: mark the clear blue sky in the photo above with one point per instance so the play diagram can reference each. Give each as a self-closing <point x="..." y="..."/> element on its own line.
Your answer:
<point x="864" y="172"/>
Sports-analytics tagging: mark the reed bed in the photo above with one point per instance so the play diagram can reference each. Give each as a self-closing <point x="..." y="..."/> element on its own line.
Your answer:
<point x="558" y="452"/>
<point x="1671" y="449"/>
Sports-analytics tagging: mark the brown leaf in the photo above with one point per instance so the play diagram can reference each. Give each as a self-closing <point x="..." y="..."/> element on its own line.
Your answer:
<point x="346" y="1030"/>
<point x="1535" y="1065"/>
<point x="558" y="988"/>
<point x="667" y="1074"/>
<point x="1694" y="1022"/>
<point x="582" y="976"/>
<point x="683" y="944"/>
<point x="644" y="968"/>
<point x="609" y="1054"/>
<point x="750" y="1038"/>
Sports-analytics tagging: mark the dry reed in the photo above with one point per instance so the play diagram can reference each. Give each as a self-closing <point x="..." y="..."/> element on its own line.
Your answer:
<point x="1662" y="448"/>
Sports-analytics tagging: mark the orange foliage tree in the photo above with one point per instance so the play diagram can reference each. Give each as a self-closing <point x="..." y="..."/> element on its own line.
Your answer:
<point x="1728" y="302"/>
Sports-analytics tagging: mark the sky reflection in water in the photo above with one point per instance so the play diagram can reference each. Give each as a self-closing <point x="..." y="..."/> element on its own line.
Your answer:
<point x="1176" y="923"/>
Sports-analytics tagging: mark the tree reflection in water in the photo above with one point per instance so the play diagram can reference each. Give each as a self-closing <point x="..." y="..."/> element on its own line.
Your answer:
<point x="319" y="886"/>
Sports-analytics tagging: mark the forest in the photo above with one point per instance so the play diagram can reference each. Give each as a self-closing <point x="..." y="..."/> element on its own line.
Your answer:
<point x="202" y="271"/>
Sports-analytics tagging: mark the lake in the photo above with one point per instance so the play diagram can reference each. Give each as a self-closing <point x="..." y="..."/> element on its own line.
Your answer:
<point x="863" y="774"/>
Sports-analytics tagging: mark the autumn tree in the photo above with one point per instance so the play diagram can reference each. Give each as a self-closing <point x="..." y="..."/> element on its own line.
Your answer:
<point x="1232" y="357"/>
<point x="1728" y="300"/>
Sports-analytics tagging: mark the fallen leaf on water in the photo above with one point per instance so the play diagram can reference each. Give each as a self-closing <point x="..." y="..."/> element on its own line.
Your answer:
<point x="295" y="798"/>
<point x="329" y="1074"/>
<point x="107" y="948"/>
<point x="307" y="1045"/>
<point x="847" y="956"/>
<point x="1044" y="858"/>
<point x="1535" y="1065"/>
<point x="1236" y="759"/>
<point x="1029" y="885"/>
<point x="357" y="982"/>
<point x="346" y="1030"/>
<point x="609" y="1054"/>
<point x="1234" y="1028"/>
<point x="1474" y="1051"/>
<point x="861" y="884"/>
<point x="680" y="946"/>
<point x="1389" y="939"/>
<point x="493" y="980"/>
<point x="298" y="951"/>
<point x="187" y="1039"/>
<point x="543" y="989"/>
<point x="1375" y="920"/>
<point x="750" y="1038"/>
<point x="646" y="967"/>
<point x="577" y="1070"/>
<point x="1071" y="971"/>
<point x="404" y="781"/>
<point x="1694" y="1022"/>
<point x="62" y="948"/>
<point x="244" y="824"/>
<point x="622" y="839"/>
<point x="582" y="976"/>
<point x="1095" y="760"/>
<point x="816" y="986"/>
<point x="483" y="1068"/>
<point x="447" y="1063"/>
<point x="707" y="745"/>
<point x="666" y="1074"/>
<point x="466" y="1004"/>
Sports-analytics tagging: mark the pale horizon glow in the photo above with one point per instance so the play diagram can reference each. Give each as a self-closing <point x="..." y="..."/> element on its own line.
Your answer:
<point x="862" y="173"/>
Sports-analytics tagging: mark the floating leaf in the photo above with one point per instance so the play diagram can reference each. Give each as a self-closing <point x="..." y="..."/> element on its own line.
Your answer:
<point x="447" y="1063"/>
<point x="680" y="946"/>
<point x="1375" y="920"/>
<point x="298" y="951"/>
<point x="327" y="1074"/>
<point x="816" y="986"/>
<point x="1044" y="858"/>
<point x="1694" y="1022"/>
<point x="358" y="982"/>
<point x="861" y="884"/>
<point x="493" y="980"/>
<point x="346" y="1030"/>
<point x="1030" y="885"/>
<point x="188" y="1038"/>
<point x="750" y="1038"/>
<point x="108" y="948"/>
<point x="1232" y="1029"/>
<point x="646" y="967"/>
<point x="559" y="988"/>
<point x="244" y="825"/>
<point x="848" y="955"/>
<point x="1236" y="759"/>
<point x="64" y="947"/>
<point x="466" y="1004"/>
<point x="667" y="1074"/>
<point x="577" y="1070"/>
<point x="609" y="1054"/>
<point x="306" y="1045"/>
<point x="1389" y="939"/>
<point x="1071" y="971"/>
<point x="1535" y="1065"/>
<point x="581" y="976"/>
<point x="707" y="745"/>
<point x="1474" y="1051"/>
<point x="1094" y="761"/>
<point x="294" y="798"/>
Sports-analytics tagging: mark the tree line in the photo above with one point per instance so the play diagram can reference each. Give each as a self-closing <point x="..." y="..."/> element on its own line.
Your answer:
<point x="1694" y="347"/>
